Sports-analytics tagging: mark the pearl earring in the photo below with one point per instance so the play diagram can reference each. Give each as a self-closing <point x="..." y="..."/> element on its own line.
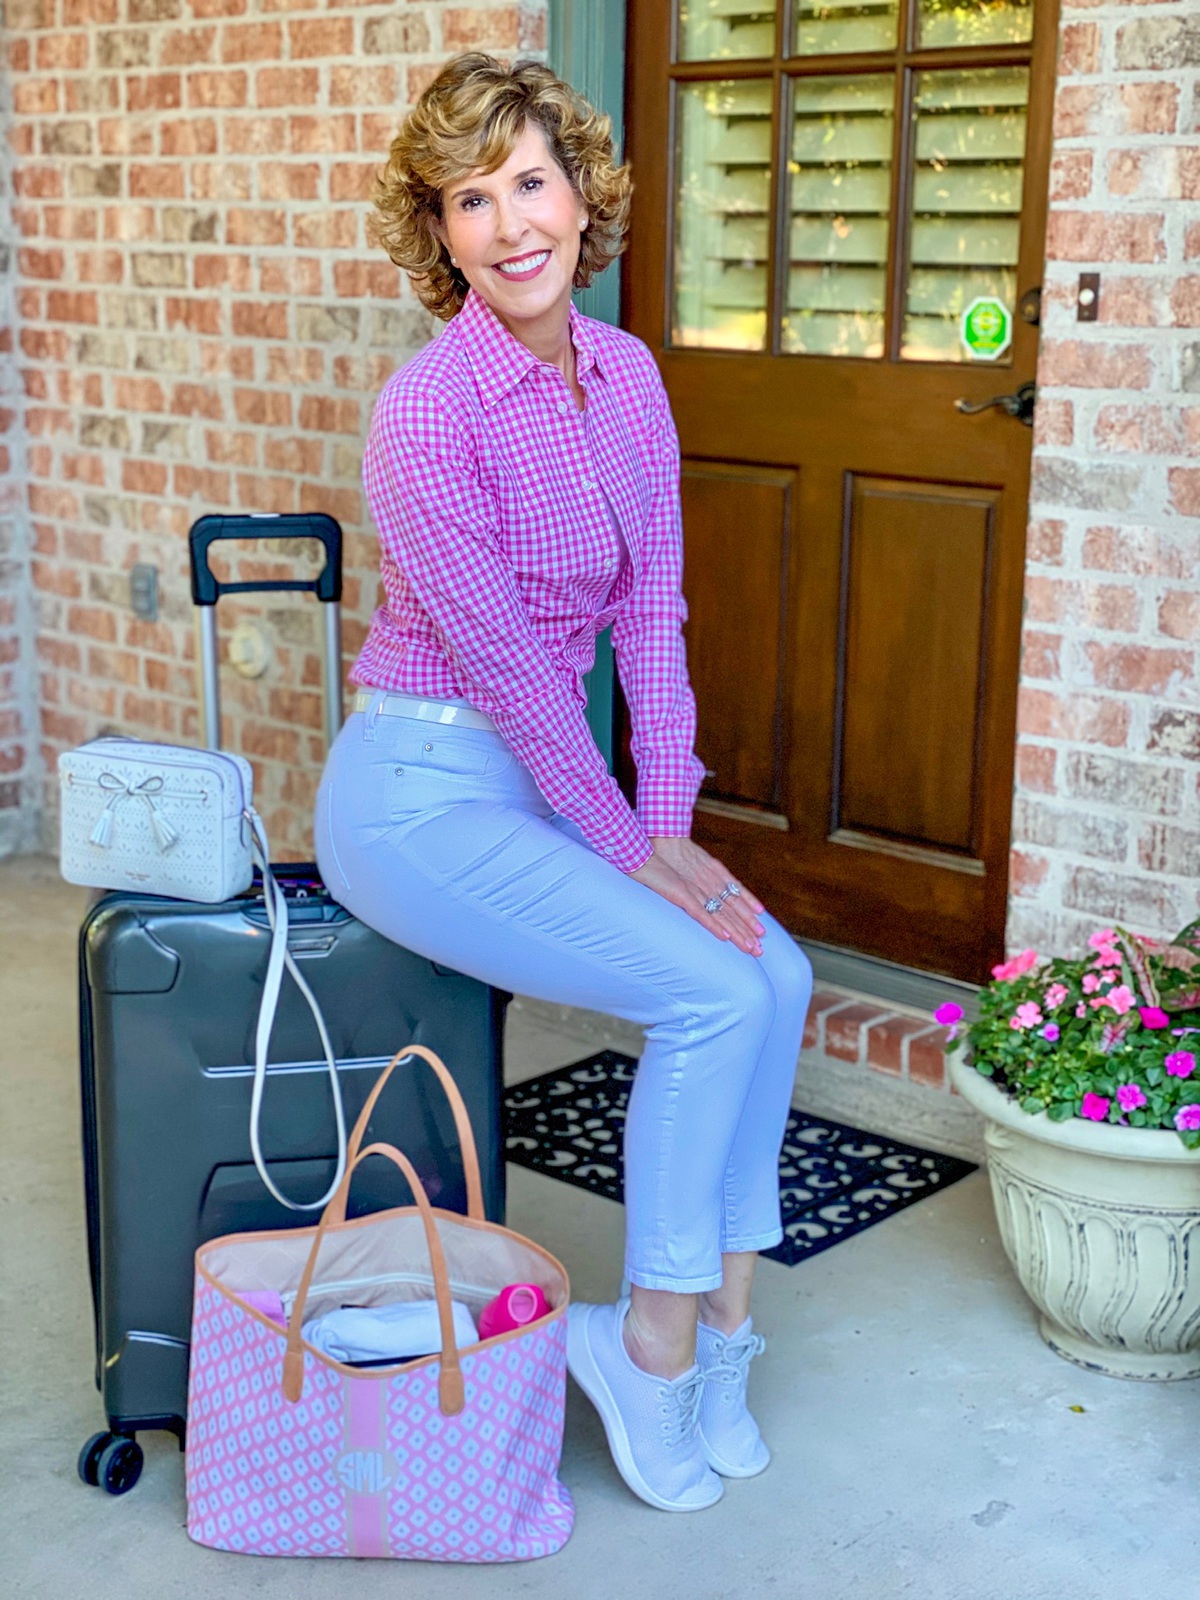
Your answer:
<point x="453" y="261"/>
<point x="583" y="222"/>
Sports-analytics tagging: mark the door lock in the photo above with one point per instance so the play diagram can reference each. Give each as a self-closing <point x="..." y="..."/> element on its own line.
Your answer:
<point x="1019" y="405"/>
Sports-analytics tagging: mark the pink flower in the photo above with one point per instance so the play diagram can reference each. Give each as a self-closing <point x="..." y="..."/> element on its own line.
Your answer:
<point x="1108" y="956"/>
<point x="1187" y="1118"/>
<point x="1050" y="1031"/>
<point x="1153" y="1017"/>
<point x="1091" y="982"/>
<point x="948" y="1014"/>
<point x="1102" y="937"/>
<point x="1180" y="1063"/>
<point x="1130" y="1097"/>
<point x="1016" y="968"/>
<point x="1027" y="1015"/>
<point x="1056" y="994"/>
<point x="1081" y="1010"/>
<point x="1095" y="1107"/>
<point x="1121" y="999"/>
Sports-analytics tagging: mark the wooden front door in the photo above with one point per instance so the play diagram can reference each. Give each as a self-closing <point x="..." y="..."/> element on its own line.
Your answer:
<point x="837" y="226"/>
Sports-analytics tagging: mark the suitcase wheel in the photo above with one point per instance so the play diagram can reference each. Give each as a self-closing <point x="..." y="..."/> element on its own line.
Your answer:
<point x="112" y="1462"/>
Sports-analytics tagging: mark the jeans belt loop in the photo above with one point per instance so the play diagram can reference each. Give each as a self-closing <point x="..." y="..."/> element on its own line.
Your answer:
<point x="372" y="717"/>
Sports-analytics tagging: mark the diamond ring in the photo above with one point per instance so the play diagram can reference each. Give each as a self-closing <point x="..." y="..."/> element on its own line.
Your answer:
<point x="730" y="889"/>
<point x="713" y="905"/>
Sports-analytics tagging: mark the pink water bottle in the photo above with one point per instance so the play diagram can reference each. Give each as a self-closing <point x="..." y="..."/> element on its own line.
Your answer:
<point x="513" y="1307"/>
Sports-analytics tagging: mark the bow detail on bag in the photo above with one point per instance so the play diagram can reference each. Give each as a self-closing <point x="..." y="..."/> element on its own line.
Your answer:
<point x="118" y="789"/>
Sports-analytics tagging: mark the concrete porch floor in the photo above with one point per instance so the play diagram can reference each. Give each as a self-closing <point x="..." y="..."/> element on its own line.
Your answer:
<point x="924" y="1439"/>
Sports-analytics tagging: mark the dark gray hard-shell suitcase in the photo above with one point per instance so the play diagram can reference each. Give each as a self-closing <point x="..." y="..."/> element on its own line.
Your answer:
<point x="169" y="994"/>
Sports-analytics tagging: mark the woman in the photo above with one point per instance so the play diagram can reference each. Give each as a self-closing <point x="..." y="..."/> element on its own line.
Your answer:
<point x="523" y="472"/>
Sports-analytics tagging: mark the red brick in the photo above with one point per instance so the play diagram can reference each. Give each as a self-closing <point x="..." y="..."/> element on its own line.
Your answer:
<point x="1078" y="109"/>
<point x="94" y="622"/>
<point x="227" y="447"/>
<point x="187" y="47"/>
<point x="1132" y="302"/>
<point x="480" y="28"/>
<point x="221" y="272"/>
<point x="1045" y="542"/>
<point x="144" y="477"/>
<point x="1185" y="302"/>
<point x="821" y="1002"/>
<point x="1087" y="719"/>
<point x="257" y="493"/>
<point x="296" y="275"/>
<point x="1036" y="765"/>
<point x="321" y="414"/>
<point x="1054" y="422"/>
<point x="1105" y="236"/>
<point x="1139" y="669"/>
<point x="1088" y="364"/>
<point x="1078" y="49"/>
<point x="325" y="230"/>
<point x="287" y="86"/>
<point x="1112" y="606"/>
<point x="300" y="456"/>
<point x="254" y="135"/>
<point x="278" y="180"/>
<point x="1151" y="107"/>
<point x="161" y="92"/>
<point x="196" y="400"/>
<point x="62" y="52"/>
<point x="321" y="135"/>
<point x="252" y="41"/>
<point x="1040" y="654"/>
<point x="378" y="280"/>
<point x="264" y="407"/>
<point x="344" y="505"/>
<point x="885" y="1042"/>
<point x="217" y="89"/>
<point x="256" y="227"/>
<point x="63" y="305"/>
<point x="844" y="1031"/>
<point x="202" y="483"/>
<point x="328" y="36"/>
<point x="1184" y="483"/>
<point x="254" y="320"/>
<point x="927" y="1058"/>
<point x="363" y="86"/>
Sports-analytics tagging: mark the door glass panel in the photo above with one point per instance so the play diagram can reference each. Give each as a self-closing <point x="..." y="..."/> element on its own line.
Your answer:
<point x="832" y="27"/>
<point x="726" y="30"/>
<point x="839" y="189"/>
<point x="966" y="209"/>
<point x="722" y="204"/>
<point x="952" y="22"/>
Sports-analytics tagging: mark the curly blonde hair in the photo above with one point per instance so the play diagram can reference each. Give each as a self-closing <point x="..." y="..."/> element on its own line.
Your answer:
<point x="469" y="118"/>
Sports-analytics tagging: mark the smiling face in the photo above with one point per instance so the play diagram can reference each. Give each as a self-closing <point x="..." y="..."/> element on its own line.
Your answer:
<point x="515" y="234"/>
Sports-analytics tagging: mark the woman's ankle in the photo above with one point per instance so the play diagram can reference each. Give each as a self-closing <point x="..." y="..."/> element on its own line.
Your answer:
<point x="656" y="1354"/>
<point x="721" y="1318"/>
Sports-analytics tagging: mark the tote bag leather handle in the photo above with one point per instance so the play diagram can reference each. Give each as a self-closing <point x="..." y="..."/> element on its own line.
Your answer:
<point x="451" y="1395"/>
<point x="462" y="1123"/>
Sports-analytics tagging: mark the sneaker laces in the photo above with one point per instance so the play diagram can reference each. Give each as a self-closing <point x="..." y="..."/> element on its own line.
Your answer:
<point x="733" y="1358"/>
<point x="681" y="1409"/>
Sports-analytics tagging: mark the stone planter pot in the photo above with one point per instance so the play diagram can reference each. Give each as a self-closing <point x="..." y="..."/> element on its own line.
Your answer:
<point x="1102" y="1226"/>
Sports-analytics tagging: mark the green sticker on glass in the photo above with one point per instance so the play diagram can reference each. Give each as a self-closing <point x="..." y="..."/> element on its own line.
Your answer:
<point x="986" y="328"/>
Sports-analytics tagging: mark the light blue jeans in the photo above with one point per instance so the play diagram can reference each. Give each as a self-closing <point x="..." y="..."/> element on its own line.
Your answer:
<point x="438" y="837"/>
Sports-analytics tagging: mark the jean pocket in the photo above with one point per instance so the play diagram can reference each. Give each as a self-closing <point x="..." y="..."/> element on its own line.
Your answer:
<point x="431" y="765"/>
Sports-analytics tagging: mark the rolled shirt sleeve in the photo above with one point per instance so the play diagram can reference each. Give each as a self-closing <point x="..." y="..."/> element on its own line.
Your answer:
<point x="439" y="524"/>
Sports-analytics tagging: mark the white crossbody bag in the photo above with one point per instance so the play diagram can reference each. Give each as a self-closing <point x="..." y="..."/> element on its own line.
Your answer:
<point x="173" y="820"/>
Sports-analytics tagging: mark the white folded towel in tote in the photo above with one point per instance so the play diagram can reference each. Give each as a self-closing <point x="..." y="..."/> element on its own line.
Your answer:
<point x="387" y="1333"/>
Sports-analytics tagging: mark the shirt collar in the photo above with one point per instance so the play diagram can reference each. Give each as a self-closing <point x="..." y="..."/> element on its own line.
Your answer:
<point x="499" y="361"/>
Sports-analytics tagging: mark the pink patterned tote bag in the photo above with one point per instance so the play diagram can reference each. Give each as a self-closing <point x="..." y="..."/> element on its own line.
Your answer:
<point x="451" y="1457"/>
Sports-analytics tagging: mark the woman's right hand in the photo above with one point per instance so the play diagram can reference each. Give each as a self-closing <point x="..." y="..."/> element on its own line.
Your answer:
<point x="688" y="876"/>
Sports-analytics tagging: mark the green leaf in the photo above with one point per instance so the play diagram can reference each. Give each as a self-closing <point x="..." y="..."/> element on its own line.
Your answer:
<point x="1062" y="1111"/>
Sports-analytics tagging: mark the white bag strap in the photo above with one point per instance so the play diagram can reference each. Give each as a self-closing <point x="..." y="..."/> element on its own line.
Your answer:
<point x="281" y="957"/>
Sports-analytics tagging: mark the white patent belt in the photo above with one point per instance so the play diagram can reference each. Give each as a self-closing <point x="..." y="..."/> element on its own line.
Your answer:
<point x="404" y="705"/>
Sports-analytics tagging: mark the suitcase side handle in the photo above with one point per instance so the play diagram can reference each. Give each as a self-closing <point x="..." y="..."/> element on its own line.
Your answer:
<point x="207" y="588"/>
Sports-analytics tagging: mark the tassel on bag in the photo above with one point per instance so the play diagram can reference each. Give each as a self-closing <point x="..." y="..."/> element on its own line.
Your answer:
<point x="165" y="835"/>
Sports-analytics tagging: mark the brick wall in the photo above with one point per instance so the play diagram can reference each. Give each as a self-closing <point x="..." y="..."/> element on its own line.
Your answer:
<point x="1107" y="811"/>
<point x="203" y="326"/>
<point x="18" y="717"/>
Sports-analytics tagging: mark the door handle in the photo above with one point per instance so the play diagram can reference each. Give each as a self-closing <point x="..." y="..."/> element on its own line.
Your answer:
<point x="1019" y="405"/>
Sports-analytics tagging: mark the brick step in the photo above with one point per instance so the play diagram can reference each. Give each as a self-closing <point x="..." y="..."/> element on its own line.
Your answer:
<point x="855" y="1028"/>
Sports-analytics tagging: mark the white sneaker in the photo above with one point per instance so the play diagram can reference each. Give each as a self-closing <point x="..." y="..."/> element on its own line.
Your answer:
<point x="729" y="1435"/>
<point x="650" y="1422"/>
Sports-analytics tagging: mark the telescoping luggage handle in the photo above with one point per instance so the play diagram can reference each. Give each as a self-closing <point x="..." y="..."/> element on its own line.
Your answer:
<point x="207" y="589"/>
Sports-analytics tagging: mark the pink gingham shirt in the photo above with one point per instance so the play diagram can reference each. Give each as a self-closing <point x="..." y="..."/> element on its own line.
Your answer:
<point x="495" y="501"/>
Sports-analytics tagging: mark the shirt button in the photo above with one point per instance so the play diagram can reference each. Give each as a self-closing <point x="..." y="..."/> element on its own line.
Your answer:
<point x="586" y="483"/>
<point x="608" y="849"/>
<point x="563" y="408"/>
